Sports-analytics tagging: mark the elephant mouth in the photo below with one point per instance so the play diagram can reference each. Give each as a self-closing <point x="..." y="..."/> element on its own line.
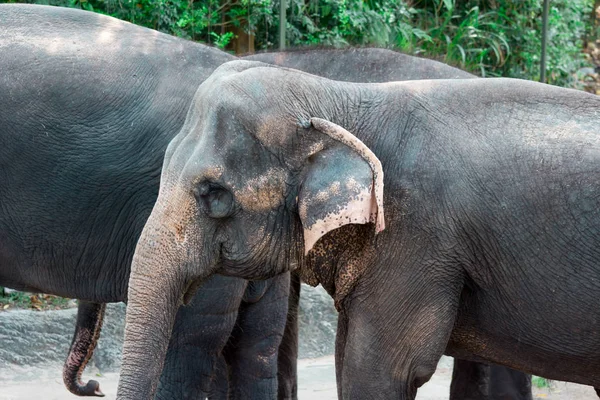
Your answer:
<point x="191" y="289"/>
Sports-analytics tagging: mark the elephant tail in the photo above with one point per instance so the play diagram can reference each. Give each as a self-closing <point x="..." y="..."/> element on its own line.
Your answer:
<point x="87" y="332"/>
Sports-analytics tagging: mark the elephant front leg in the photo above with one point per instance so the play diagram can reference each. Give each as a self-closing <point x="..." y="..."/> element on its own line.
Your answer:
<point x="199" y="335"/>
<point x="253" y="348"/>
<point x="470" y="381"/>
<point x="220" y="383"/>
<point x="391" y="337"/>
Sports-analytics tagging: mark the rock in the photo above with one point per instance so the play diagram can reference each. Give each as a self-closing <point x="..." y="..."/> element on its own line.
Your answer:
<point x="317" y="323"/>
<point x="41" y="339"/>
<point x="107" y="356"/>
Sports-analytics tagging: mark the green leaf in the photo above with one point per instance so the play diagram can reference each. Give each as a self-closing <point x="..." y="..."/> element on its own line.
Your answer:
<point x="449" y="4"/>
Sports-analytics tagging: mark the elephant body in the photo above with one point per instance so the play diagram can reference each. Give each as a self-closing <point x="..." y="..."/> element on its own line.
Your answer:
<point x="449" y="216"/>
<point x="367" y="65"/>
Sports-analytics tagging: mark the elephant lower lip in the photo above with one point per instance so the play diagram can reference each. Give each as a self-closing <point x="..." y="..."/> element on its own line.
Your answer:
<point x="191" y="290"/>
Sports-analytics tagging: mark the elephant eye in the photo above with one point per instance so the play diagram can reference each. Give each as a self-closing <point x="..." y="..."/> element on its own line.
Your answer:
<point x="215" y="200"/>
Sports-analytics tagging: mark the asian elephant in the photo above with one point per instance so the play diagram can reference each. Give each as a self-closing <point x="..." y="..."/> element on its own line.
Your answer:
<point x="90" y="104"/>
<point x="449" y="216"/>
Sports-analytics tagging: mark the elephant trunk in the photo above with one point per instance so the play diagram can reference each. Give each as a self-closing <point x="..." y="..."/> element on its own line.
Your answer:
<point x="156" y="287"/>
<point x="165" y="271"/>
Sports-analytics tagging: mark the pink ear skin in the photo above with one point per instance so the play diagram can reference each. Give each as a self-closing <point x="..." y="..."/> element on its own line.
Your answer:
<point x="343" y="185"/>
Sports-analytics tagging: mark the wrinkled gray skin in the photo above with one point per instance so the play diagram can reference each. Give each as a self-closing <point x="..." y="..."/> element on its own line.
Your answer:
<point x="492" y="214"/>
<point x="369" y="65"/>
<point x="88" y="106"/>
<point x="470" y="380"/>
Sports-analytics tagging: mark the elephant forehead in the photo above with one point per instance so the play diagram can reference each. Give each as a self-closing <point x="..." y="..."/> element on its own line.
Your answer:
<point x="262" y="192"/>
<point x="236" y="113"/>
<point x="235" y="89"/>
<point x="274" y="131"/>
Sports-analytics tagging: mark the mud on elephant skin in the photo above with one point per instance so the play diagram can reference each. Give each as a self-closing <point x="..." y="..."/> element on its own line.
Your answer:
<point x="472" y="170"/>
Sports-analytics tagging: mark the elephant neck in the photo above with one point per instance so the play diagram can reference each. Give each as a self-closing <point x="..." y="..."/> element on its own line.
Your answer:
<point x="339" y="259"/>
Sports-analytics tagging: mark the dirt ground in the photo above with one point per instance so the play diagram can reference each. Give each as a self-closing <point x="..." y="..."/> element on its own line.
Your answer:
<point x="316" y="382"/>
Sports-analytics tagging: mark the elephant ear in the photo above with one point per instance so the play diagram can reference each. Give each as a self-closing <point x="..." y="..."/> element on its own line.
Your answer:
<point x="343" y="184"/>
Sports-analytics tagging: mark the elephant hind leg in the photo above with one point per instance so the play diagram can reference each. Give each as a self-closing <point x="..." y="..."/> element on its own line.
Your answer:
<point x="87" y="332"/>
<point x="509" y="383"/>
<point x="287" y="360"/>
<point x="220" y="382"/>
<point x="476" y="381"/>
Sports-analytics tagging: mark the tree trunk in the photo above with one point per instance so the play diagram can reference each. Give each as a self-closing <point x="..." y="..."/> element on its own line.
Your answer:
<point x="243" y="43"/>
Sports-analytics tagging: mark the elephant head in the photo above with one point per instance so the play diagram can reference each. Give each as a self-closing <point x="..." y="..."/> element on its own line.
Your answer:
<point x="260" y="172"/>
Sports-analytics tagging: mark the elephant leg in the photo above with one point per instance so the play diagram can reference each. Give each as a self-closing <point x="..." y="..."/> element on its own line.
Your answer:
<point x="87" y="332"/>
<point x="254" y="345"/>
<point x="507" y="383"/>
<point x="389" y="346"/>
<point x="287" y="360"/>
<point x="470" y="381"/>
<point x="597" y="391"/>
<point x="220" y="386"/>
<point x="199" y="335"/>
<point x="478" y="381"/>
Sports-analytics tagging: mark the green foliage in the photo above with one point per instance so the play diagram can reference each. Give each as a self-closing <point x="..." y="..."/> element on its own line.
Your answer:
<point x="208" y="21"/>
<point x="469" y="38"/>
<point x="565" y="33"/>
<point x="540" y="382"/>
<point x="501" y="37"/>
<point x="489" y="37"/>
<point x="15" y="299"/>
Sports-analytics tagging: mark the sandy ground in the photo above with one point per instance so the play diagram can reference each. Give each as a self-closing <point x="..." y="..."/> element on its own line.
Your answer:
<point x="316" y="382"/>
